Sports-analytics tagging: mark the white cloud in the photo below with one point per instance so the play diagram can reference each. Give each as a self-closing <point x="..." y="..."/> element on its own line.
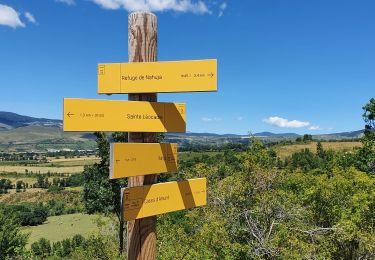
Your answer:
<point x="315" y="127"/>
<point x="68" y="2"/>
<point x="282" y="122"/>
<point x="198" y="7"/>
<point x="239" y="118"/>
<point x="211" y="119"/>
<point x="9" y="17"/>
<point x="222" y="7"/>
<point x="30" y="17"/>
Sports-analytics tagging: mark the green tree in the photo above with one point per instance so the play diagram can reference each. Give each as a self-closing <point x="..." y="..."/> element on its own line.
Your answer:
<point x="304" y="159"/>
<point x="100" y="194"/>
<point x="319" y="150"/>
<point x="56" y="207"/>
<point x="12" y="241"/>
<point x="5" y="185"/>
<point x="366" y="155"/>
<point x="369" y="118"/>
<point x="41" y="248"/>
<point x="19" y="186"/>
<point x="58" y="249"/>
<point x="30" y="214"/>
<point x="40" y="213"/>
<point x="77" y="241"/>
<point x="41" y="181"/>
<point x="307" y="138"/>
<point x="66" y="247"/>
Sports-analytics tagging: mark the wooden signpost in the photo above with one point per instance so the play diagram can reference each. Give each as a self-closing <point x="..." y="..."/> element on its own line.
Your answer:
<point x="146" y="77"/>
<point x="145" y="201"/>
<point x="131" y="159"/>
<point x="143" y="117"/>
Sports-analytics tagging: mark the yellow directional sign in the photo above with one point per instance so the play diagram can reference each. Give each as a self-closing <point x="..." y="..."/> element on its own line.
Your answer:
<point x="145" y="201"/>
<point x="147" y="77"/>
<point x="133" y="159"/>
<point x="88" y="115"/>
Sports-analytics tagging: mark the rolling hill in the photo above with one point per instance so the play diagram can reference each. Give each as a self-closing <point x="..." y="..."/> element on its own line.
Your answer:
<point x="24" y="133"/>
<point x="9" y="120"/>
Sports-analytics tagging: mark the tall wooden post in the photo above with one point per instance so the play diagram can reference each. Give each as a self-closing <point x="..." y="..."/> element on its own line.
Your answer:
<point x="142" y="45"/>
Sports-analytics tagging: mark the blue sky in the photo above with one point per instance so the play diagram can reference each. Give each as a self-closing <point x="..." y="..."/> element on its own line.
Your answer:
<point x="298" y="66"/>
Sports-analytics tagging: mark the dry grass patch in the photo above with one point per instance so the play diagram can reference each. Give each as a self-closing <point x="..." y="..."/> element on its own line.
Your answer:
<point x="83" y="158"/>
<point x="13" y="179"/>
<point x="288" y="150"/>
<point x="40" y="195"/>
<point x="40" y="169"/>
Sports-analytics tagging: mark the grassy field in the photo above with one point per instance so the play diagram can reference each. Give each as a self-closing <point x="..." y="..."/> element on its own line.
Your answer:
<point x="54" y="165"/>
<point x="62" y="162"/>
<point x="71" y="163"/>
<point x="287" y="150"/>
<point x="57" y="228"/>
<point x="85" y="158"/>
<point x="14" y="179"/>
<point x="16" y="170"/>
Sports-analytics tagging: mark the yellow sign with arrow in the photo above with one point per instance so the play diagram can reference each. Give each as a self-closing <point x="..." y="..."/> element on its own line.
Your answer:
<point x="88" y="115"/>
<point x="150" y="77"/>
<point x="145" y="201"/>
<point x="134" y="159"/>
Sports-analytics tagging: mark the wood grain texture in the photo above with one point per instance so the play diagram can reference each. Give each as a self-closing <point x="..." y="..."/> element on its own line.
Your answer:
<point x="142" y="46"/>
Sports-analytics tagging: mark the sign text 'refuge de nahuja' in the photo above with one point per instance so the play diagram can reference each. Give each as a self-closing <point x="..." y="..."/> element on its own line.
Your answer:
<point x="134" y="159"/>
<point x="147" y="77"/>
<point x="88" y="115"/>
<point x="144" y="201"/>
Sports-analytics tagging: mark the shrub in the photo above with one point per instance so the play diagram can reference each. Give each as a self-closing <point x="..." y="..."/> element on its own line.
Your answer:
<point x="12" y="241"/>
<point x="41" y="248"/>
<point x="29" y="214"/>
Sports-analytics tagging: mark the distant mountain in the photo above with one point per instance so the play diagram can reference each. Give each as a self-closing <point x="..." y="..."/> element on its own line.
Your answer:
<point x="269" y="134"/>
<point x="9" y="120"/>
<point x="261" y="134"/>
<point x="24" y="133"/>
<point x="202" y="134"/>
<point x="353" y="134"/>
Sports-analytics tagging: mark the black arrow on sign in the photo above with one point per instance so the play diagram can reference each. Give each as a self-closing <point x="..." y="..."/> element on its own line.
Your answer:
<point x="69" y="114"/>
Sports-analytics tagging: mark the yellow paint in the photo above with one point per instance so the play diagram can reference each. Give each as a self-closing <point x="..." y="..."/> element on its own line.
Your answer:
<point x="145" y="201"/>
<point x="134" y="159"/>
<point x="88" y="115"/>
<point x="148" y="77"/>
